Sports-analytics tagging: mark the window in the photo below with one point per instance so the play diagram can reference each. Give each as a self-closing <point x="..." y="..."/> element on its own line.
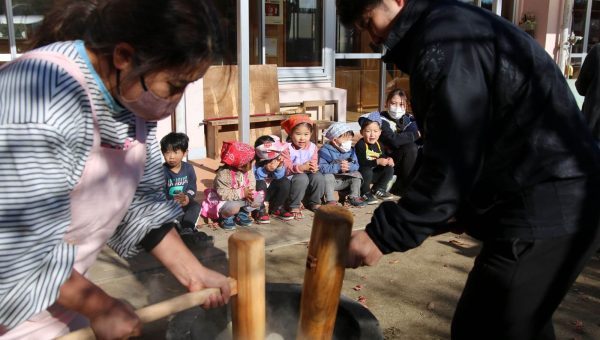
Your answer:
<point x="26" y="16"/>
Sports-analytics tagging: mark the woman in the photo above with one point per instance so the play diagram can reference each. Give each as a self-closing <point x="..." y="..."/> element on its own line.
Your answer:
<point x="81" y="164"/>
<point x="399" y="132"/>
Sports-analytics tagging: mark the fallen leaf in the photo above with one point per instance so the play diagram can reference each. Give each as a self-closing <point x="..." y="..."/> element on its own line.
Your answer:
<point x="362" y="300"/>
<point x="431" y="306"/>
<point x="364" y="277"/>
<point x="445" y="266"/>
<point x="394" y="261"/>
<point x="357" y="287"/>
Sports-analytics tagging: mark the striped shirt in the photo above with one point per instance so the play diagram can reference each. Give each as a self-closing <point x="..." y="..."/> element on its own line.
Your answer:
<point x="46" y="134"/>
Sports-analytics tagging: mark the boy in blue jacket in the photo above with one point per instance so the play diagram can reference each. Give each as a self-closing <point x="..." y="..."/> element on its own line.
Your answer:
<point x="180" y="179"/>
<point x="339" y="165"/>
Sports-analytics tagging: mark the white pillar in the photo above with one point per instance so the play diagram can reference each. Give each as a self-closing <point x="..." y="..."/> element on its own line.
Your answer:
<point x="12" y="42"/>
<point x="243" y="61"/>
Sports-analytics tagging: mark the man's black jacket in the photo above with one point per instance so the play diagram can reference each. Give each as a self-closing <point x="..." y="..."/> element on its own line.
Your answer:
<point x="506" y="149"/>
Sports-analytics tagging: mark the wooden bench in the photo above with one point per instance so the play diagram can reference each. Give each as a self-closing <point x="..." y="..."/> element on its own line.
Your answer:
<point x="216" y="129"/>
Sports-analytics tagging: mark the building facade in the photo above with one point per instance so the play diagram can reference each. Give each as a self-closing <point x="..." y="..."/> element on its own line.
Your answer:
<point x="318" y="59"/>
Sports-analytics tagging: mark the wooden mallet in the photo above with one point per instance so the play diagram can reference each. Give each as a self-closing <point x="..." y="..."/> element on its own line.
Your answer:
<point x="324" y="274"/>
<point x="247" y="266"/>
<point x="160" y="310"/>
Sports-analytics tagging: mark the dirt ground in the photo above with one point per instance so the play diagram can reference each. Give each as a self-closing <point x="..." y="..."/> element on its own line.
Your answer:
<point x="413" y="294"/>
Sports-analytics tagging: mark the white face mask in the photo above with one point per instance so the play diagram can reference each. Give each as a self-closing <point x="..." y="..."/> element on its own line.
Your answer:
<point x="345" y="146"/>
<point x="396" y="111"/>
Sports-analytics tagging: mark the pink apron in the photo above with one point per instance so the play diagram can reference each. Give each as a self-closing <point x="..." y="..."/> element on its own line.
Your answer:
<point x="98" y="204"/>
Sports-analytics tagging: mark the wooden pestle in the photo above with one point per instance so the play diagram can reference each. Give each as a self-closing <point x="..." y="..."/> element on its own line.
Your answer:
<point x="247" y="266"/>
<point x="159" y="310"/>
<point x="324" y="274"/>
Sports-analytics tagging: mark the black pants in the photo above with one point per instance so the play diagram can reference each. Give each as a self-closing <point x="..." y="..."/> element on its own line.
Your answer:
<point x="190" y="215"/>
<point x="379" y="176"/>
<point x="277" y="192"/>
<point x="405" y="159"/>
<point x="515" y="286"/>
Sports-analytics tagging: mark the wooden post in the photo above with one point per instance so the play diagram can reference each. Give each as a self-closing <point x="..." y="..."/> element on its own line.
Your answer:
<point x="325" y="265"/>
<point x="247" y="266"/>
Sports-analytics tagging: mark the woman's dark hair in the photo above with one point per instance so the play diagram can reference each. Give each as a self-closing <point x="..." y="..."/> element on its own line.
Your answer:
<point x="395" y="92"/>
<point x="166" y="34"/>
<point x="351" y="11"/>
<point x="174" y="141"/>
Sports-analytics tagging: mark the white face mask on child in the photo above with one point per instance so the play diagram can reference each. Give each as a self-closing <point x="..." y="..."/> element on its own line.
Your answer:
<point x="345" y="146"/>
<point x="396" y="111"/>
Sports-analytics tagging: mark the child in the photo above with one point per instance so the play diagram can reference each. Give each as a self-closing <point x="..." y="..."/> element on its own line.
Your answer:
<point x="399" y="132"/>
<point x="375" y="167"/>
<point x="338" y="163"/>
<point x="270" y="178"/>
<point x="235" y="183"/>
<point x="180" y="179"/>
<point x="300" y="162"/>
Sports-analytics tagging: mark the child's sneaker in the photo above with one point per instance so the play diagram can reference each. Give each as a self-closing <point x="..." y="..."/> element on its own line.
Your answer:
<point x="382" y="195"/>
<point x="227" y="223"/>
<point x="282" y="215"/>
<point x="261" y="217"/>
<point x="243" y="219"/>
<point x="357" y="201"/>
<point x="370" y="199"/>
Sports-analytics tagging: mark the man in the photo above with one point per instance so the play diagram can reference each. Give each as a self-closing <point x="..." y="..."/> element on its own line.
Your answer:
<point x="507" y="156"/>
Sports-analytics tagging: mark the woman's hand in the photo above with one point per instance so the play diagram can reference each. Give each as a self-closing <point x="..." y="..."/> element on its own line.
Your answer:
<point x="362" y="250"/>
<point x="390" y="161"/>
<point x="119" y="321"/>
<point x="206" y="278"/>
<point x="109" y="317"/>
<point x="186" y="268"/>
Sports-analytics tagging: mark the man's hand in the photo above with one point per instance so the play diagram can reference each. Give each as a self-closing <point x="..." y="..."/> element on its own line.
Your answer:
<point x="362" y="250"/>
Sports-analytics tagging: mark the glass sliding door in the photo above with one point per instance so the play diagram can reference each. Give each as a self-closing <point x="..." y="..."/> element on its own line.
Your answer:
<point x="358" y="70"/>
<point x="21" y="21"/>
<point x="586" y="24"/>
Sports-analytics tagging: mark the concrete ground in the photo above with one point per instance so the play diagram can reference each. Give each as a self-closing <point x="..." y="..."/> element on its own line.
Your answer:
<point x="412" y="294"/>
